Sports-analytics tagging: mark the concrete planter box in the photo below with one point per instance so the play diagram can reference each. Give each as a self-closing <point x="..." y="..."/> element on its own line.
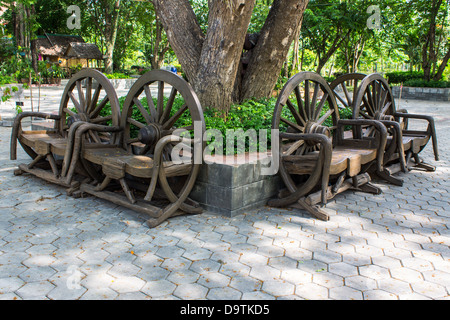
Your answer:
<point x="232" y="189"/>
<point x="431" y="94"/>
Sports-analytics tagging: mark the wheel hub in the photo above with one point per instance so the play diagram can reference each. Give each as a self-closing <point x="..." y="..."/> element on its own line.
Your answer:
<point x="77" y="118"/>
<point x="150" y="134"/>
<point x="313" y="127"/>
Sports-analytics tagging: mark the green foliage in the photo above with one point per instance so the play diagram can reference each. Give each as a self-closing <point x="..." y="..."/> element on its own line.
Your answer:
<point x="398" y="77"/>
<point x="117" y="75"/>
<point x="420" y="83"/>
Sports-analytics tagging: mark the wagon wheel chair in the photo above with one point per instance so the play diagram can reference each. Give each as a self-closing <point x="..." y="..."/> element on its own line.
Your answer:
<point x="79" y="105"/>
<point x="153" y="181"/>
<point x="307" y="117"/>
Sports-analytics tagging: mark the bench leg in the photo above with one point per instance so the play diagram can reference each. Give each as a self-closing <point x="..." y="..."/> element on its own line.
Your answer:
<point x="313" y="210"/>
<point x="419" y="164"/>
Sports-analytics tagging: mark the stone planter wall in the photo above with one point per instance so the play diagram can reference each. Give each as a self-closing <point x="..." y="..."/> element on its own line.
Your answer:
<point x="431" y="94"/>
<point x="231" y="190"/>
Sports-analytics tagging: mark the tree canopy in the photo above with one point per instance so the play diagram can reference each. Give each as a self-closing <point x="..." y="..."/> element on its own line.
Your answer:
<point x="235" y="50"/>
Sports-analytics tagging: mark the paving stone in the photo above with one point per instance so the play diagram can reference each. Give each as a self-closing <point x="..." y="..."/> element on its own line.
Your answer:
<point x="35" y="290"/>
<point x="390" y="246"/>
<point x="158" y="288"/>
<point x="191" y="291"/>
<point x="10" y="284"/>
<point x="278" y="288"/>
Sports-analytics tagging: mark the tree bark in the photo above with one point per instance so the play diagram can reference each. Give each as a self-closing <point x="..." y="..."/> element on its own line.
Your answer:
<point x="212" y="63"/>
<point x="112" y="14"/>
<point x="183" y="32"/>
<point x="429" y="55"/>
<point x="277" y="34"/>
<point x="221" y="52"/>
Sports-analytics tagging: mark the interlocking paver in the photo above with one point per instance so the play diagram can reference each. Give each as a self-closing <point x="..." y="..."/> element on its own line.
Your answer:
<point x="375" y="247"/>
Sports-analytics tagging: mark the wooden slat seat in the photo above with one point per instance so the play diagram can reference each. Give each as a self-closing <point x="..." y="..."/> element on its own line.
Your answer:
<point x="342" y="159"/>
<point x="55" y="141"/>
<point x="138" y="166"/>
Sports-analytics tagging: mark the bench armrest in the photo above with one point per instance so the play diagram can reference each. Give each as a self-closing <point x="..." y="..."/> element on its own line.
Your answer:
<point x="323" y="166"/>
<point x="431" y="128"/>
<point x="17" y="127"/>
<point x="74" y="144"/>
<point x="377" y="125"/>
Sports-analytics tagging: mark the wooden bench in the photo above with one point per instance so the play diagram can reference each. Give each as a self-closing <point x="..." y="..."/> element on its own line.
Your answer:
<point x="370" y="97"/>
<point x="317" y="160"/>
<point x="51" y="150"/>
<point x="140" y="172"/>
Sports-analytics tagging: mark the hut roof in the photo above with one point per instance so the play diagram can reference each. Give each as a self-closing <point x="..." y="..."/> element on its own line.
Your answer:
<point x="82" y="50"/>
<point x="55" y="44"/>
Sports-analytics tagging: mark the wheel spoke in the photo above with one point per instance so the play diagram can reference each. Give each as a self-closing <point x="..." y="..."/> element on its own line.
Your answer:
<point x="70" y="112"/>
<point x="314" y="100"/>
<point x="320" y="107"/>
<point x="307" y="102"/>
<point x="347" y="94"/>
<point x="386" y="107"/>
<point x="341" y="99"/>
<point x="325" y="117"/>
<point x="160" y="103"/>
<point x="75" y="102"/>
<point x="292" y="124"/>
<point x="294" y="147"/>
<point x="141" y="108"/>
<point x="169" y="105"/>
<point x="81" y="96"/>
<point x="295" y="113"/>
<point x="151" y="105"/>
<point x="95" y="98"/>
<point x="88" y="93"/>
<point x="301" y="108"/>
<point x="169" y="123"/>
<point x="136" y="123"/>
<point x="99" y="108"/>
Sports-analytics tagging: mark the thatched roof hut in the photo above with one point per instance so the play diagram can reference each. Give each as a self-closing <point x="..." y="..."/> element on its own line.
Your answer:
<point x="67" y="50"/>
<point x="81" y="50"/>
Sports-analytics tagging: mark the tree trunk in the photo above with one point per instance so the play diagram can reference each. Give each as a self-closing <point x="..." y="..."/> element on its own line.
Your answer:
<point x="284" y="19"/>
<point x="429" y="55"/>
<point x="212" y="62"/>
<point x="112" y="22"/>
<point x="183" y="32"/>
<point x="221" y="52"/>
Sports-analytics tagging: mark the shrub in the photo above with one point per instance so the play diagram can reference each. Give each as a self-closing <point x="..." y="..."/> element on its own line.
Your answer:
<point x="117" y="75"/>
<point x="420" y="83"/>
<point x="398" y="77"/>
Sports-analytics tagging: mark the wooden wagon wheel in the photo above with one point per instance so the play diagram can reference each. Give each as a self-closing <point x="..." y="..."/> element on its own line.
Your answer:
<point x="345" y="88"/>
<point x="96" y="103"/>
<point x="374" y="100"/>
<point x="306" y="105"/>
<point x="89" y="97"/>
<point x="157" y="105"/>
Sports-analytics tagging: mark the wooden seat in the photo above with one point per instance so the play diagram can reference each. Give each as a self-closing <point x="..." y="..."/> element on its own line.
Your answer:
<point x="34" y="139"/>
<point x="342" y="159"/>
<point x="136" y="165"/>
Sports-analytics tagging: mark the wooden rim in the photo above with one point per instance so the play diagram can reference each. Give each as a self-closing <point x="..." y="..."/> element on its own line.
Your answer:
<point x="83" y="104"/>
<point x="159" y="119"/>
<point x="348" y="83"/>
<point x="307" y="112"/>
<point x="374" y="98"/>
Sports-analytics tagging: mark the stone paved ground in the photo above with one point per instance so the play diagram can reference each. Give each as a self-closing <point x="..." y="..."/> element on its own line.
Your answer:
<point x="391" y="246"/>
